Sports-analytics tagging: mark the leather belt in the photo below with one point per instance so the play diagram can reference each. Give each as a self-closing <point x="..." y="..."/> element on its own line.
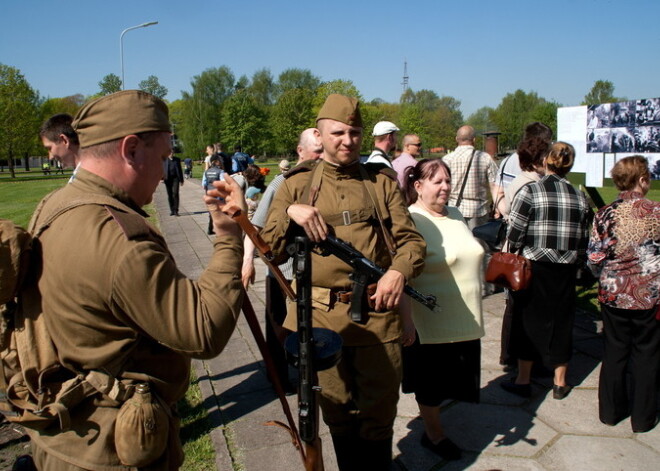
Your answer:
<point x="340" y="296"/>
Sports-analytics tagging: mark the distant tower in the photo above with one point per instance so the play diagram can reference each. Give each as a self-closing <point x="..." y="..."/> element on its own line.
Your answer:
<point x="405" y="76"/>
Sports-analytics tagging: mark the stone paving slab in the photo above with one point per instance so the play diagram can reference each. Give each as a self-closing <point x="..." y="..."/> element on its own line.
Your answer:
<point x="572" y="452"/>
<point x="504" y="432"/>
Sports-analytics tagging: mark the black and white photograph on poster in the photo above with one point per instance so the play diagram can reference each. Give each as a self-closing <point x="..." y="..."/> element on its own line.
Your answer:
<point x="623" y="114"/>
<point x="598" y="116"/>
<point x="647" y="139"/>
<point x="654" y="167"/>
<point x="647" y="112"/>
<point x="599" y="140"/>
<point x="623" y="140"/>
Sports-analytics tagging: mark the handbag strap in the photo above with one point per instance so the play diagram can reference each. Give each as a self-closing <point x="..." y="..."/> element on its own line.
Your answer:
<point x="459" y="200"/>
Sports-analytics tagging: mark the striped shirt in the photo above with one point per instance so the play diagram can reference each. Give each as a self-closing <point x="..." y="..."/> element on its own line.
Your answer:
<point x="260" y="217"/>
<point x="550" y="220"/>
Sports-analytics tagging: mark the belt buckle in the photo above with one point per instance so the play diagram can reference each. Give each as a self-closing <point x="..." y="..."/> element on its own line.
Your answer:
<point x="346" y="215"/>
<point x="338" y="296"/>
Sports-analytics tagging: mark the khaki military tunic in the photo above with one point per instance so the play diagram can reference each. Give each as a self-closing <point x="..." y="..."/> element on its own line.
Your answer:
<point x="113" y="297"/>
<point x="342" y="190"/>
<point x="358" y="396"/>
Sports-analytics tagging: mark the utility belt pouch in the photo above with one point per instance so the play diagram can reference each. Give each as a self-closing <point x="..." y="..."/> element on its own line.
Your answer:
<point x="141" y="428"/>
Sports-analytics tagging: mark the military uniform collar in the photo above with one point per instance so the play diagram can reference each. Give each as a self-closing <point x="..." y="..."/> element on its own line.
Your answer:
<point x="341" y="170"/>
<point x="90" y="182"/>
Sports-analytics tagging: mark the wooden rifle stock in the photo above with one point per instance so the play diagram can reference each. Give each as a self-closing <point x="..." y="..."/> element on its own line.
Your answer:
<point x="311" y="454"/>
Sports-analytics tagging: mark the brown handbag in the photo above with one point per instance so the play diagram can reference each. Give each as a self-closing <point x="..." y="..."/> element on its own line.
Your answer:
<point x="509" y="270"/>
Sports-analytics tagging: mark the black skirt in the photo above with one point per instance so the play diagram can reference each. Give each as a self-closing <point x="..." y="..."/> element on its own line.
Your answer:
<point x="543" y="315"/>
<point x="439" y="371"/>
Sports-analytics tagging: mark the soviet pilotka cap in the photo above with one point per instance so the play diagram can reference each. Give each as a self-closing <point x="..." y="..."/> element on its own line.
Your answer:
<point x="120" y="114"/>
<point x="344" y="109"/>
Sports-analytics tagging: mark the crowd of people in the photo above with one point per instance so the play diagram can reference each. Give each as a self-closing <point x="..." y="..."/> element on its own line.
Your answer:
<point x="124" y="296"/>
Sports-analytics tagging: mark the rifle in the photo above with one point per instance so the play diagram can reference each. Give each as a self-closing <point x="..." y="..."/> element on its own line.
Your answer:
<point x="310" y="349"/>
<point x="364" y="272"/>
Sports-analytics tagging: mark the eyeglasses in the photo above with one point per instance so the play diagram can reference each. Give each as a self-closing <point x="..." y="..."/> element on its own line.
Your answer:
<point x="418" y="144"/>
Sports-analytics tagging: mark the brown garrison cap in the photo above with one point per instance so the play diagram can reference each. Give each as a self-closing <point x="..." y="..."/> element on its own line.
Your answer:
<point x="341" y="108"/>
<point x="120" y="114"/>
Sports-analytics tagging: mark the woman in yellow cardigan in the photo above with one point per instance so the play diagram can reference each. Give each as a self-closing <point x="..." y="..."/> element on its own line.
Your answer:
<point x="443" y="352"/>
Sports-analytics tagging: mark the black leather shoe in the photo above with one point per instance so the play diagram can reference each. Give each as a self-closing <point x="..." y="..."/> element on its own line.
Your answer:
<point x="560" y="392"/>
<point x="445" y="448"/>
<point x="646" y="429"/>
<point x="522" y="390"/>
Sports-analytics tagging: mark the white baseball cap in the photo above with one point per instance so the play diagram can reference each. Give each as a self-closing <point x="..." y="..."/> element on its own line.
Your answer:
<point x="384" y="127"/>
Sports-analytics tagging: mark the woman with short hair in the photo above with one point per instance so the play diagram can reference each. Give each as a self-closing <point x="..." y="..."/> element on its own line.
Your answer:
<point x="624" y="249"/>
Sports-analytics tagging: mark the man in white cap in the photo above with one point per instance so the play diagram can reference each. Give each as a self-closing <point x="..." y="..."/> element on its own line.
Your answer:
<point x="384" y="142"/>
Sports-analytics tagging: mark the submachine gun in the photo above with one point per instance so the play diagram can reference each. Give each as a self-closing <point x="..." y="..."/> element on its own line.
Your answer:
<point x="365" y="272"/>
<point x="311" y="349"/>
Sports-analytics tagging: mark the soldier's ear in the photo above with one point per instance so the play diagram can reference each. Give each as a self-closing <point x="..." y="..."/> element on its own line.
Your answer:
<point x="128" y="147"/>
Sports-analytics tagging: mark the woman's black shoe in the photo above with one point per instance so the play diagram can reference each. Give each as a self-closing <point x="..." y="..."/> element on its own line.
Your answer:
<point x="445" y="448"/>
<point x="646" y="429"/>
<point x="522" y="390"/>
<point x="560" y="392"/>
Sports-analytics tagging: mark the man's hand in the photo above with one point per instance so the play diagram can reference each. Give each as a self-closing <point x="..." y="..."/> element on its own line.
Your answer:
<point x="389" y="290"/>
<point x="310" y="219"/>
<point x="247" y="270"/>
<point x="223" y="202"/>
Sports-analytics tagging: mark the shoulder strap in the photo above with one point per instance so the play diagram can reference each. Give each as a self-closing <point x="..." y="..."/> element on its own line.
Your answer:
<point x="389" y="239"/>
<point x="459" y="200"/>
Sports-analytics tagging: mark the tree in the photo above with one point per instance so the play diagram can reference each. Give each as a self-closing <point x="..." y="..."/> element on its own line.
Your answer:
<point x="262" y="87"/>
<point x="601" y="92"/>
<point x="153" y="86"/>
<point x="482" y="122"/>
<point x="516" y="111"/>
<point x="244" y="122"/>
<point x="291" y="114"/>
<point x="68" y="104"/>
<point x="19" y="114"/>
<point x="343" y="87"/>
<point x="296" y="78"/>
<point x="111" y="83"/>
<point x="201" y="111"/>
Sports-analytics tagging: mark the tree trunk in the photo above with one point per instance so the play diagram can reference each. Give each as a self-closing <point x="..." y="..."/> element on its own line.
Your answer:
<point x="27" y="162"/>
<point x="11" y="163"/>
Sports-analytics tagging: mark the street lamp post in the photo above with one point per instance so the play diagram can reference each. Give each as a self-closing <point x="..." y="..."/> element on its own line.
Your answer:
<point x="121" y="46"/>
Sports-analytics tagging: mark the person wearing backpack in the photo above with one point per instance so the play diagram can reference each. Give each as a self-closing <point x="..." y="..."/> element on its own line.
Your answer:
<point x="118" y="310"/>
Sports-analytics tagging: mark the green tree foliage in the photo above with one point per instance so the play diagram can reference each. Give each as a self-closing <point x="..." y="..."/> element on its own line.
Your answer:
<point x="601" y="92"/>
<point x="291" y="114"/>
<point x="296" y="79"/>
<point x="262" y="87"/>
<point x="202" y="110"/>
<point x="516" y="111"/>
<point x="343" y="87"/>
<point x="111" y="83"/>
<point x="244" y="123"/>
<point x="68" y="104"/>
<point x="434" y="119"/>
<point x="153" y="86"/>
<point x="482" y="122"/>
<point x="19" y="115"/>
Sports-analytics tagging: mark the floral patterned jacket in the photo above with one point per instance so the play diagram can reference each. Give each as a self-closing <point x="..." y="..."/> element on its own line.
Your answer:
<point x="624" y="249"/>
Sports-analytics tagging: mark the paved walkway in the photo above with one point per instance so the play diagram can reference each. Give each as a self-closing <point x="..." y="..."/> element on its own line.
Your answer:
<point x="504" y="432"/>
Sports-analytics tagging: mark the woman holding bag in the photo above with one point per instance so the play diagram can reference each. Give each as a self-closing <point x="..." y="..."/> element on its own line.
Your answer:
<point x="548" y="223"/>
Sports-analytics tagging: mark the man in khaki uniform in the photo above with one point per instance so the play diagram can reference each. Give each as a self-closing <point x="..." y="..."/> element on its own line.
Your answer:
<point x="337" y="194"/>
<point x="114" y="301"/>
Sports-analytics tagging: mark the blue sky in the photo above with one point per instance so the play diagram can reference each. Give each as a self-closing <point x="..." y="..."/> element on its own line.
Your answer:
<point x="476" y="51"/>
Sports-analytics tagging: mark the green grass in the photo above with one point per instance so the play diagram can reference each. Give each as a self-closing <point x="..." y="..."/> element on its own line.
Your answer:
<point x="20" y="198"/>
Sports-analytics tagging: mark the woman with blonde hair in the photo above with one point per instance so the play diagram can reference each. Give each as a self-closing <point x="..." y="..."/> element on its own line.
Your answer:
<point x="548" y="224"/>
<point x="625" y="249"/>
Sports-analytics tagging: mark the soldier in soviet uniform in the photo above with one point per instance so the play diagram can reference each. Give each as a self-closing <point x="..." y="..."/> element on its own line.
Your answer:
<point x="338" y="194"/>
<point x="113" y="298"/>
